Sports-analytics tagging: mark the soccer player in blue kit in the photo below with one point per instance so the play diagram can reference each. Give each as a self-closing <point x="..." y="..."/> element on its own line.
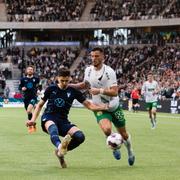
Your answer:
<point x="54" y="120"/>
<point x="28" y="85"/>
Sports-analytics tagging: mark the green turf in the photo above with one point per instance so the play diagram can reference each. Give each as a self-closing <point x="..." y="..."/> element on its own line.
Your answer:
<point x="24" y="156"/>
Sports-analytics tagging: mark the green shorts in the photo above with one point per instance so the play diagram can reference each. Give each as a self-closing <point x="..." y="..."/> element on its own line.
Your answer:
<point x="151" y="105"/>
<point x="116" y="117"/>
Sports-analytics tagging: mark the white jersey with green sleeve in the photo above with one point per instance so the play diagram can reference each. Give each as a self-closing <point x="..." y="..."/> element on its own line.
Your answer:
<point x="103" y="78"/>
<point x="148" y="89"/>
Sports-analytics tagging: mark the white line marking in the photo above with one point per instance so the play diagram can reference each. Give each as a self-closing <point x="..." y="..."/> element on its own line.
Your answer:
<point x="158" y="115"/>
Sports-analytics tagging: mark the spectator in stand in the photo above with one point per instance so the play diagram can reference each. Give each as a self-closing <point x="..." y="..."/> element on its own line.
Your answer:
<point x="45" y="10"/>
<point x="6" y="92"/>
<point x="2" y="84"/>
<point x="132" y="10"/>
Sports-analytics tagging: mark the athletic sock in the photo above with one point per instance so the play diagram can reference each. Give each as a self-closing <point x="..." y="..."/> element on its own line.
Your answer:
<point x="152" y="121"/>
<point x="77" y="138"/>
<point x="128" y="145"/>
<point x="54" y="135"/>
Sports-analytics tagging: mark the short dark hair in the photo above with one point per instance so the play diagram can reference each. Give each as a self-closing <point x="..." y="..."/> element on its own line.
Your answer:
<point x="31" y="66"/>
<point x="150" y="73"/>
<point x="98" y="49"/>
<point x="64" y="72"/>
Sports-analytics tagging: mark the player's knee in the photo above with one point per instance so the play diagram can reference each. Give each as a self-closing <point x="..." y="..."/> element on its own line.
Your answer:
<point x="79" y="136"/>
<point x="124" y="135"/>
<point x="107" y="131"/>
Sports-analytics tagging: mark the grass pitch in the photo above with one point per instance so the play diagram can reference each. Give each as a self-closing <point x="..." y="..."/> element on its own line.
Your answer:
<point x="28" y="157"/>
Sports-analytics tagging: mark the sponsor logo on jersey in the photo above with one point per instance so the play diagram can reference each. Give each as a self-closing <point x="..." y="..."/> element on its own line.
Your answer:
<point x="59" y="102"/>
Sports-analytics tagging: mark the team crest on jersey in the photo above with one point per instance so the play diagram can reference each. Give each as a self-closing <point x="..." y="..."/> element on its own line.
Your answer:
<point x="68" y="94"/>
<point x="99" y="113"/>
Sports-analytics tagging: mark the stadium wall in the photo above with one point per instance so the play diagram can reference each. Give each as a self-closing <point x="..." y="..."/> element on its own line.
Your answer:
<point x="167" y="106"/>
<point x="91" y="24"/>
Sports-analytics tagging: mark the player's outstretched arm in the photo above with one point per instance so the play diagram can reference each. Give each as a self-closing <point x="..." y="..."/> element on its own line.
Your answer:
<point x="36" y="113"/>
<point x="112" y="91"/>
<point x="95" y="107"/>
<point x="80" y="86"/>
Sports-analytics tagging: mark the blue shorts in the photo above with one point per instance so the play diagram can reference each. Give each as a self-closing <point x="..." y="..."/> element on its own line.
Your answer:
<point x="63" y="125"/>
<point x="32" y="101"/>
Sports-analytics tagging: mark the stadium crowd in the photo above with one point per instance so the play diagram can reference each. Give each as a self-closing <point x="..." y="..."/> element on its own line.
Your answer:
<point x="104" y="10"/>
<point x="132" y="64"/>
<point x="44" y="10"/>
<point x="173" y="11"/>
<point x="2" y="83"/>
<point x="46" y="60"/>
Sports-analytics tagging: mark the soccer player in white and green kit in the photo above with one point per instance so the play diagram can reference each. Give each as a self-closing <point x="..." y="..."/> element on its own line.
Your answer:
<point x="102" y="83"/>
<point x="150" y="90"/>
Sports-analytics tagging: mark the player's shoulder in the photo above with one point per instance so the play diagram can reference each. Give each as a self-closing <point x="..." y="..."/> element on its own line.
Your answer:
<point x="23" y="78"/>
<point x="108" y="68"/>
<point x="88" y="68"/>
<point x="155" y="82"/>
<point x="51" y="87"/>
<point x="72" y="89"/>
<point x="35" y="77"/>
<point x="146" y="82"/>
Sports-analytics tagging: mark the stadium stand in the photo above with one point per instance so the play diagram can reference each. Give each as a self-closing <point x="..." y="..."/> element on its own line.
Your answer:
<point x="134" y="63"/>
<point x="104" y="10"/>
<point x="44" y="10"/>
<point x="132" y="55"/>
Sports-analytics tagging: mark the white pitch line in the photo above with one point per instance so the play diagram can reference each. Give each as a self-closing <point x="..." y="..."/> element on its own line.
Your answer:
<point x="158" y="115"/>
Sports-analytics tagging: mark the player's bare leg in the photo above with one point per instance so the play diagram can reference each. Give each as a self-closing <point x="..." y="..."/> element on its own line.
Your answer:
<point x="151" y="119"/>
<point x="32" y="128"/>
<point x="154" y="117"/>
<point x="106" y="127"/>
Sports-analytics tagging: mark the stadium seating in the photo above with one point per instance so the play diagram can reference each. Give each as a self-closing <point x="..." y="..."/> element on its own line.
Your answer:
<point x="133" y="64"/>
<point x="103" y="10"/>
<point x="45" y="10"/>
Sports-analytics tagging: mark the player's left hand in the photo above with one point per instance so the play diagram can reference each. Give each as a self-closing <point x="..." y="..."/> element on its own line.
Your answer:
<point x="94" y="91"/>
